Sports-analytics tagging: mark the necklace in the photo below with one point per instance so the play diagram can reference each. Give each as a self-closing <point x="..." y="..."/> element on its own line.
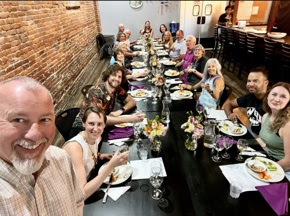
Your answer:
<point x="95" y="159"/>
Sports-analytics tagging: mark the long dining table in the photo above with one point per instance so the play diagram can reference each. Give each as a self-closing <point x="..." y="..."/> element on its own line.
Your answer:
<point x="195" y="185"/>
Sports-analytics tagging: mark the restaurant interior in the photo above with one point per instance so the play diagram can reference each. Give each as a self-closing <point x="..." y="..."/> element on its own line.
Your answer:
<point x="67" y="45"/>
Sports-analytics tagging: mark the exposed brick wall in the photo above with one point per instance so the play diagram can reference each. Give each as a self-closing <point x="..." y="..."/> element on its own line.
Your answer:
<point x="51" y="41"/>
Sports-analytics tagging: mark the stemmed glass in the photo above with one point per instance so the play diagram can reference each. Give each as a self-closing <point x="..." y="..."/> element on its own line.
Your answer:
<point x="198" y="107"/>
<point x="228" y="143"/>
<point x="156" y="180"/>
<point x="218" y="147"/>
<point x="166" y="87"/>
<point x="242" y="145"/>
<point x="154" y="94"/>
<point x="206" y="112"/>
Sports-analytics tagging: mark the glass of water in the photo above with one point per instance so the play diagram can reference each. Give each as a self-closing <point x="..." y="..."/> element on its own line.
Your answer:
<point x="143" y="151"/>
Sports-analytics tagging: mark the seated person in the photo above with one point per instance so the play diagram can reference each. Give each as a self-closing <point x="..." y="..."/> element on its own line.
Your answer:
<point x="195" y="70"/>
<point x="104" y="96"/>
<point x="128" y="35"/>
<point x="274" y="135"/>
<point x="226" y="17"/>
<point x="212" y="84"/>
<point x="257" y="86"/>
<point x="120" y="59"/>
<point x="83" y="151"/>
<point x="121" y="29"/>
<point x="162" y="30"/>
<point x="178" y="49"/>
<point x="120" y="38"/>
<point x="168" y="40"/>
<point x="147" y="29"/>
<point x="188" y="57"/>
<point x="128" y="54"/>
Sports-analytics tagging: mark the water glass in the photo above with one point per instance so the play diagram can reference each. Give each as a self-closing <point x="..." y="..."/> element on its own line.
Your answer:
<point x="235" y="189"/>
<point x="199" y="108"/>
<point x="218" y="147"/>
<point x="228" y="143"/>
<point x="143" y="152"/>
<point x="124" y="148"/>
<point x="241" y="145"/>
<point x="156" y="179"/>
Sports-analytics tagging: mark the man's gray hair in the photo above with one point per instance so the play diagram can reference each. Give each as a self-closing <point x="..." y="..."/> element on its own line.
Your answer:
<point x="191" y="37"/>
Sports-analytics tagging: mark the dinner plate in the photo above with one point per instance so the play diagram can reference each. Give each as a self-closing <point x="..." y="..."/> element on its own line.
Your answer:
<point x="140" y="93"/>
<point x="138" y="64"/>
<point x="162" y="53"/>
<point x="124" y="172"/>
<point x="171" y="73"/>
<point x="136" y="71"/>
<point x="124" y="125"/>
<point x="276" y="35"/>
<point x="260" y="31"/>
<point x="183" y="94"/>
<point x="274" y="176"/>
<point x="228" y="127"/>
<point x="158" y="48"/>
<point x="169" y="63"/>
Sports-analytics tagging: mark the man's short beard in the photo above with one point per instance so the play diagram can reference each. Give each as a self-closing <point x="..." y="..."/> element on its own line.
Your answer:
<point x="27" y="166"/>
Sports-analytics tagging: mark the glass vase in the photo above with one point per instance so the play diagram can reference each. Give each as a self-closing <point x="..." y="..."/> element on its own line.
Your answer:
<point x="190" y="143"/>
<point x="155" y="145"/>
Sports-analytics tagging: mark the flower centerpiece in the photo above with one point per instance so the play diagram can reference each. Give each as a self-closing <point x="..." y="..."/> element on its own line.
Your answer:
<point x="154" y="129"/>
<point x="158" y="80"/>
<point x="194" y="130"/>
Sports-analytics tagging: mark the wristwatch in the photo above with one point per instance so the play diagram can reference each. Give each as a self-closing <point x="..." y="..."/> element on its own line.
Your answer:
<point x="123" y="109"/>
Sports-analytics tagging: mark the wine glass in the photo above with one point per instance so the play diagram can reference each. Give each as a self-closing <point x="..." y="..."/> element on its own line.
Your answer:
<point x="198" y="107"/>
<point x="242" y="145"/>
<point x="156" y="180"/>
<point x="206" y="112"/>
<point x="218" y="146"/>
<point x="228" y="143"/>
<point x="154" y="94"/>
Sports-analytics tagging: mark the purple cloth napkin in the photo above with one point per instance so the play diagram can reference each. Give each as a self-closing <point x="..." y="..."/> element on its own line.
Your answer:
<point x="276" y="196"/>
<point x="227" y="139"/>
<point x="183" y="78"/>
<point x="135" y="87"/>
<point x="119" y="133"/>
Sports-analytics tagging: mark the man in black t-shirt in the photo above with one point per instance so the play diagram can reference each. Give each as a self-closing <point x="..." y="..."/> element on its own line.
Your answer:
<point x="257" y="84"/>
<point x="227" y="16"/>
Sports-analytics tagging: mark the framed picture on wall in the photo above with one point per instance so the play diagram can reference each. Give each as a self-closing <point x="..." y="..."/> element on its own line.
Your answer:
<point x="135" y="4"/>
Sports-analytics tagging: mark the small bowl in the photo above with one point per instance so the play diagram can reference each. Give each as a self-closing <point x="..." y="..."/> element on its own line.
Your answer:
<point x="276" y="35"/>
<point x="256" y="166"/>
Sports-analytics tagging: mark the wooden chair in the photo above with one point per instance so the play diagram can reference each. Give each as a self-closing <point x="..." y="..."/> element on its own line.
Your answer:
<point x="105" y="46"/>
<point x="285" y="63"/>
<point x="225" y="95"/>
<point x="65" y="120"/>
<point x="269" y="57"/>
<point x="85" y="90"/>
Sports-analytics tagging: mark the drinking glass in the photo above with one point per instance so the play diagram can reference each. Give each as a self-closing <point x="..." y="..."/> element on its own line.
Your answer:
<point x="156" y="179"/>
<point x="143" y="151"/>
<point x="198" y="107"/>
<point x="154" y="94"/>
<point x="242" y="145"/>
<point x="124" y="148"/>
<point x="228" y="143"/>
<point x="206" y="112"/>
<point x="218" y="147"/>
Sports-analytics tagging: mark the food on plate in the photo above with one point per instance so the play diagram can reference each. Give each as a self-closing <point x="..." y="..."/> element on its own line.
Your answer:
<point x="256" y="166"/>
<point x="122" y="125"/>
<point x="140" y="93"/>
<point x="169" y="63"/>
<point x="137" y="64"/>
<point x="264" y="175"/>
<point x="225" y="127"/>
<point x="183" y="93"/>
<point x="172" y="73"/>
<point x="115" y="173"/>
<point x="237" y="130"/>
<point x="270" y="165"/>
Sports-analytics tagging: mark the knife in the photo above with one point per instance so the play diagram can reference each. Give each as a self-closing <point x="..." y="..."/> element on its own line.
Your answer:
<point x="108" y="187"/>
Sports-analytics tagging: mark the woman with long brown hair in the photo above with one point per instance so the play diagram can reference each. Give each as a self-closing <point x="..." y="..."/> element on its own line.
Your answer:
<point x="274" y="135"/>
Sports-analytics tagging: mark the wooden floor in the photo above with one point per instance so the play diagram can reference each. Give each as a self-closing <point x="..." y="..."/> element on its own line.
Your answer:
<point x="238" y="86"/>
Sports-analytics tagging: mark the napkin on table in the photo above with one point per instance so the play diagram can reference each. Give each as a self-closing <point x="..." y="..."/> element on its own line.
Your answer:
<point x="116" y="192"/>
<point x="276" y="196"/>
<point x="135" y="87"/>
<point x="118" y="133"/>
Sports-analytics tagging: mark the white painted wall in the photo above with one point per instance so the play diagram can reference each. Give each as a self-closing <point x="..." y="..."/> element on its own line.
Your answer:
<point x="114" y="12"/>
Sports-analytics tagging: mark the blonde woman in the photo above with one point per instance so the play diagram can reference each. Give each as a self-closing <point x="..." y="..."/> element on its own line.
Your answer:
<point x="212" y="84"/>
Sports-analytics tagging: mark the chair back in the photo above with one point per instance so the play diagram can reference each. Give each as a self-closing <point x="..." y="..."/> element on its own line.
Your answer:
<point x="285" y="62"/>
<point x="269" y="50"/>
<point x="225" y="95"/>
<point x="101" y="41"/>
<point x="242" y="42"/>
<point x="85" y="90"/>
<point x="251" y="43"/>
<point x="65" y="120"/>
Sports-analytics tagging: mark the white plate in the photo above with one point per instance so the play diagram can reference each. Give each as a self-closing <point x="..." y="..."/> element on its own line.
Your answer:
<point x="227" y="126"/>
<point x="260" y="31"/>
<point x="183" y="94"/>
<point x="171" y="73"/>
<point x="138" y="64"/>
<point x="276" y="35"/>
<point x="162" y="53"/>
<point x="169" y="63"/>
<point x="158" y="48"/>
<point x="140" y="93"/>
<point x="124" y="125"/>
<point x="136" y="71"/>
<point x="276" y="176"/>
<point x="125" y="171"/>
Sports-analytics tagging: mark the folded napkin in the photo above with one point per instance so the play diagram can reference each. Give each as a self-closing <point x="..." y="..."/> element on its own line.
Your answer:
<point x="227" y="139"/>
<point x="183" y="78"/>
<point x="118" y="133"/>
<point x="173" y="81"/>
<point x="118" y="142"/>
<point x="276" y="196"/>
<point x="141" y="78"/>
<point x="251" y="152"/>
<point x="135" y="87"/>
<point x="116" y="192"/>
